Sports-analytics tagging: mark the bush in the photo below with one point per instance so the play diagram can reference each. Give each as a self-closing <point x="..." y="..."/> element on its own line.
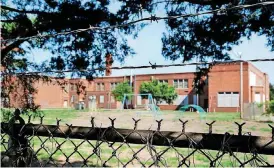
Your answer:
<point x="120" y="90"/>
<point x="270" y="108"/>
<point x="6" y="114"/>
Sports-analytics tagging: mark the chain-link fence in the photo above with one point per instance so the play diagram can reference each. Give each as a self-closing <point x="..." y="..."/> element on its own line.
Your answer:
<point x="42" y="145"/>
<point x="252" y="111"/>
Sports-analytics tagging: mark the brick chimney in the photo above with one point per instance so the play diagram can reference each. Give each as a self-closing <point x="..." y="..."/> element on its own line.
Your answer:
<point x="109" y="62"/>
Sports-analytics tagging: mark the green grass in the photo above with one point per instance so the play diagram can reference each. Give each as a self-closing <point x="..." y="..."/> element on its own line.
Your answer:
<point x="217" y="116"/>
<point x="266" y="129"/>
<point x="50" y="115"/>
<point x="253" y="128"/>
<point x="126" y="154"/>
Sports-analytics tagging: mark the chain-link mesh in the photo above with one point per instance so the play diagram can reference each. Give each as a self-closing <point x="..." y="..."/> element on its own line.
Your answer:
<point x="39" y="145"/>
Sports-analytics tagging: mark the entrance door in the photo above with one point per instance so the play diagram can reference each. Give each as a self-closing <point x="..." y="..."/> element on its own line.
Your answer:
<point x="65" y="104"/>
<point x="92" y="102"/>
<point x="257" y="97"/>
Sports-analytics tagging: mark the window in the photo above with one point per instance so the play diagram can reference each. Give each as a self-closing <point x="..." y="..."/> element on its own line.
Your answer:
<point x="100" y="87"/>
<point x="228" y="99"/>
<point x="180" y="83"/>
<point x="113" y="85"/>
<point x="252" y="79"/>
<point x="163" y="81"/>
<point x="102" y="99"/>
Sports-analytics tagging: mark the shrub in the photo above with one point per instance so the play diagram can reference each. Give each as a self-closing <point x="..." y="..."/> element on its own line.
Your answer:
<point x="270" y="108"/>
<point x="6" y="114"/>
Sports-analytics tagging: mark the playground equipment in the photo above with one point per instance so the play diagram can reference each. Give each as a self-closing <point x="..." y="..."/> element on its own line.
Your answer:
<point x="141" y="103"/>
<point x="198" y="109"/>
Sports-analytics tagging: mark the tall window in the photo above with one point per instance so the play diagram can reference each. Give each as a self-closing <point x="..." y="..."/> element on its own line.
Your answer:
<point x="102" y="99"/>
<point x="163" y="81"/>
<point x="113" y="85"/>
<point x="180" y="83"/>
<point x="100" y="87"/>
<point x="228" y="99"/>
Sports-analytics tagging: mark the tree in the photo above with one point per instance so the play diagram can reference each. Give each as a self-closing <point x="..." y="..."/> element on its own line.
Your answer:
<point x="159" y="91"/>
<point x="204" y="37"/>
<point x="271" y="90"/>
<point x="120" y="90"/>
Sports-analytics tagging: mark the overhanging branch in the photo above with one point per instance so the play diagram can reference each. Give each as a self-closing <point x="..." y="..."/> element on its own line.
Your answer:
<point x="22" y="11"/>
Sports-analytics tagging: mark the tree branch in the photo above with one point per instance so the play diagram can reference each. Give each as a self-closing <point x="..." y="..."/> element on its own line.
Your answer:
<point x="207" y="2"/>
<point x="6" y="49"/>
<point x="22" y="11"/>
<point x="10" y="21"/>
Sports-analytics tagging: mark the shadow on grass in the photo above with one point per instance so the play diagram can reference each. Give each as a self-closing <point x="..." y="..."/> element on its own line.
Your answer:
<point x="8" y="162"/>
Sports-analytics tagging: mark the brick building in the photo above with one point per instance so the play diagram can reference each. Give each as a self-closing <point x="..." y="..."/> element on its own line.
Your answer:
<point x="221" y="94"/>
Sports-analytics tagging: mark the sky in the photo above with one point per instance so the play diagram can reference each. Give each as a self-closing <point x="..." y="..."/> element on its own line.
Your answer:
<point x="148" y="47"/>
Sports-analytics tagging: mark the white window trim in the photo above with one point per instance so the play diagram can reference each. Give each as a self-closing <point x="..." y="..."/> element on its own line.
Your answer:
<point x="228" y="103"/>
<point x="183" y="82"/>
<point x="101" y="102"/>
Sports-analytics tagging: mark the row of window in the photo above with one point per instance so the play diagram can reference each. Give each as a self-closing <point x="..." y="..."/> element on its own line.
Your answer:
<point x="225" y="99"/>
<point x="177" y="83"/>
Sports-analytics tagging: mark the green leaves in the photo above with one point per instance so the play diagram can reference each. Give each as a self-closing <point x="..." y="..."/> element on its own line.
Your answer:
<point x="271" y="90"/>
<point x="159" y="91"/>
<point x="120" y="90"/>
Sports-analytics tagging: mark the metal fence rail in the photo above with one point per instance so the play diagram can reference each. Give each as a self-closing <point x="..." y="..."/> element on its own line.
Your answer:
<point x="55" y="145"/>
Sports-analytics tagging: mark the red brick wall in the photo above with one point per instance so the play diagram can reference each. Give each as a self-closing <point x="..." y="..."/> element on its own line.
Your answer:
<point x="49" y="95"/>
<point x="262" y="84"/>
<point x="226" y="78"/>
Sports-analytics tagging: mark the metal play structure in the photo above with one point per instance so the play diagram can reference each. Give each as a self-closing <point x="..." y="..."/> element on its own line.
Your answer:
<point x="135" y="102"/>
<point x="202" y="113"/>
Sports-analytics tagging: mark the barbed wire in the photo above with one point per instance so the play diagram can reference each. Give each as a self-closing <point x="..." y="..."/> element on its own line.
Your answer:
<point x="151" y="18"/>
<point x="153" y="66"/>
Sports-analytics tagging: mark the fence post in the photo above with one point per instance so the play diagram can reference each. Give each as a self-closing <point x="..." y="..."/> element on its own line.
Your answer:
<point x="17" y="143"/>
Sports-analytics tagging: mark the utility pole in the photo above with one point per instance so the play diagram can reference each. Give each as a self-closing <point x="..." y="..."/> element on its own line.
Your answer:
<point x="197" y="95"/>
<point x="131" y="85"/>
<point x="239" y="55"/>
<point x="241" y="69"/>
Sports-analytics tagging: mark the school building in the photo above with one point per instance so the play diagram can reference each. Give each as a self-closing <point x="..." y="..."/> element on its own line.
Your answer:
<point x="225" y="84"/>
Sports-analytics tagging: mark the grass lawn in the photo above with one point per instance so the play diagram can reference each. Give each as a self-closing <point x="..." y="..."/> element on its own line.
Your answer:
<point x="50" y="115"/>
<point x="67" y="115"/>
